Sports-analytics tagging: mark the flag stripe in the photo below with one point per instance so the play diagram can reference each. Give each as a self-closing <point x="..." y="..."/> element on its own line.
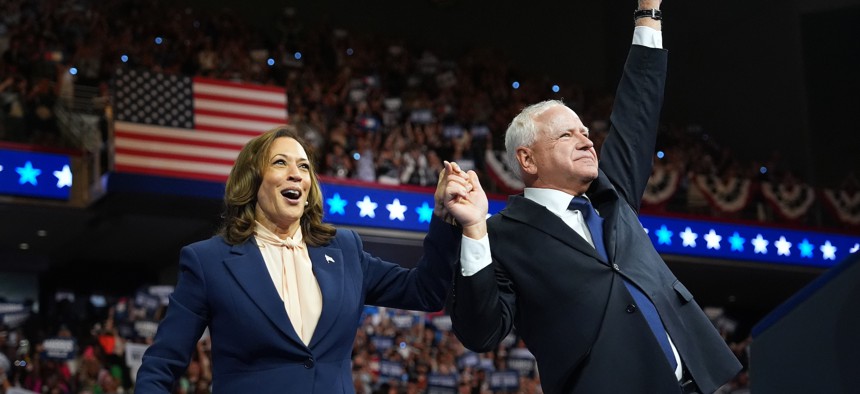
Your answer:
<point x="216" y="123"/>
<point x="246" y="93"/>
<point x="275" y="110"/>
<point x="145" y="170"/>
<point x="130" y="138"/>
<point x="163" y="150"/>
<point x="170" y="133"/>
<point x="230" y="84"/>
<point x="176" y="165"/>
<point x="239" y="116"/>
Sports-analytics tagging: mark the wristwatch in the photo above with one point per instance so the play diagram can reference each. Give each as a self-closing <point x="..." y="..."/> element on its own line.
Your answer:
<point x="653" y="14"/>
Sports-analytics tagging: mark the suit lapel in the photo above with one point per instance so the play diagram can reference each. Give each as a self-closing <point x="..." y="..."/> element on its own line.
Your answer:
<point x="537" y="216"/>
<point x="249" y="270"/>
<point x="328" y="269"/>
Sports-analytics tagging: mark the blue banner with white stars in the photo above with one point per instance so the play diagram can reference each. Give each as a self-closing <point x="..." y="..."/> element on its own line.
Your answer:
<point x="32" y="174"/>
<point x="405" y="210"/>
<point x="394" y="209"/>
<point x="746" y="242"/>
<point x="387" y="207"/>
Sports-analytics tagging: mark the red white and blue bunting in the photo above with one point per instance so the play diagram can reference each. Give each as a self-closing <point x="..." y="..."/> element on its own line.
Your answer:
<point x="730" y="195"/>
<point x="504" y="177"/>
<point x="662" y="185"/>
<point x="789" y="201"/>
<point x="844" y="205"/>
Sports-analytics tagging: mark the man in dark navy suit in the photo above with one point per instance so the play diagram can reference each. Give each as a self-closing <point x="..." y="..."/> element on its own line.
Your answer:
<point x="568" y="263"/>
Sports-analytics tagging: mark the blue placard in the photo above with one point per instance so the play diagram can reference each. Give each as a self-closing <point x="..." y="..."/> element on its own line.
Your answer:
<point x="390" y="369"/>
<point x="438" y="383"/>
<point x="504" y="380"/>
<point x="32" y="174"/>
<point x="59" y="348"/>
<point x="382" y="343"/>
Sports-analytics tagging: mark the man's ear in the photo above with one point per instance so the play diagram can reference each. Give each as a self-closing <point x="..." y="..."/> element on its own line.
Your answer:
<point x="526" y="159"/>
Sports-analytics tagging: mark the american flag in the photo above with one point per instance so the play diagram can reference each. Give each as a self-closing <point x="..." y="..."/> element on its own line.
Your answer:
<point x="192" y="128"/>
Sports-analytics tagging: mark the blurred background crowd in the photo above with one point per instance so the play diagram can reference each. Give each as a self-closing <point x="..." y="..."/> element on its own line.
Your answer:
<point x="377" y="109"/>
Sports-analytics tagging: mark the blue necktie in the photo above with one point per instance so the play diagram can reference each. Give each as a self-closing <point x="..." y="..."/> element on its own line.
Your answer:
<point x="595" y="225"/>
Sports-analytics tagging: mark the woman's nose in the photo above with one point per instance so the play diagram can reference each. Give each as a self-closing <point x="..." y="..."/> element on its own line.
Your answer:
<point x="294" y="173"/>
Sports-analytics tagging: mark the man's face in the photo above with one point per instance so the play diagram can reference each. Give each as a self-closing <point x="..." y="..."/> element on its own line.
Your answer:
<point x="563" y="156"/>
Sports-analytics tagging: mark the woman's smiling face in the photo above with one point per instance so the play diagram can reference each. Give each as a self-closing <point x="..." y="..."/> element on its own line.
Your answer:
<point x="283" y="193"/>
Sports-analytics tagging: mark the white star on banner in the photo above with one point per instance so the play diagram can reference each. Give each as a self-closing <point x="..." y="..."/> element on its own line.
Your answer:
<point x="395" y="210"/>
<point x="64" y="177"/>
<point x="783" y="247"/>
<point x="828" y="251"/>
<point x="713" y="239"/>
<point x="689" y="237"/>
<point x="760" y="244"/>
<point x="367" y="207"/>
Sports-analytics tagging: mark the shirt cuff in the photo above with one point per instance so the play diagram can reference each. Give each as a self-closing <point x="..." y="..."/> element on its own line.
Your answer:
<point x="649" y="37"/>
<point x="474" y="255"/>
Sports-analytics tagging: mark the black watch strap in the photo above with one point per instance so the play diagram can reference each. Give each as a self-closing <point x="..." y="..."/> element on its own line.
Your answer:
<point x="653" y="14"/>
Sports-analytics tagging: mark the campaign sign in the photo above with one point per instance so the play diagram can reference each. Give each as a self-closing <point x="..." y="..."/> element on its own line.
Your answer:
<point x="59" y="348"/>
<point x="402" y="321"/>
<point x="162" y="292"/>
<point x="522" y="360"/>
<point x="524" y="365"/>
<point x="504" y="381"/>
<point x="147" y="301"/>
<point x="390" y="369"/>
<point x="441" y="383"/>
<point x="382" y="343"/>
<point x="145" y="328"/>
<point x="134" y="354"/>
<point x="468" y="359"/>
<point x="13" y="314"/>
<point x="442" y="322"/>
<point x="487" y="364"/>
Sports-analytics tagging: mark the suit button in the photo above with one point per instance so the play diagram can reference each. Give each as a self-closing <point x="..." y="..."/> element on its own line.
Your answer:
<point x="616" y="267"/>
<point x="631" y="308"/>
<point x="309" y="363"/>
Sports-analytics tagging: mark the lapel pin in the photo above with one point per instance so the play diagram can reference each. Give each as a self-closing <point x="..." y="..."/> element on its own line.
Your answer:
<point x="328" y="259"/>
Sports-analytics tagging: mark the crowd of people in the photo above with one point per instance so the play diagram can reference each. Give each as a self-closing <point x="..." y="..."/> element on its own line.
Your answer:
<point x="376" y="109"/>
<point x="394" y="352"/>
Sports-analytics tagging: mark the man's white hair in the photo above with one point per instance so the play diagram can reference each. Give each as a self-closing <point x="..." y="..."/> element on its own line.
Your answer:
<point x="523" y="132"/>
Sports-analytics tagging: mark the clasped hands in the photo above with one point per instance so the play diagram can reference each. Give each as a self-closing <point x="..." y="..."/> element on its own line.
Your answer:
<point x="460" y="200"/>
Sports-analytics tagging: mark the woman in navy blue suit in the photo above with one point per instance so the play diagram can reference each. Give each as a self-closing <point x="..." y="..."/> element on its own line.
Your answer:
<point x="281" y="291"/>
